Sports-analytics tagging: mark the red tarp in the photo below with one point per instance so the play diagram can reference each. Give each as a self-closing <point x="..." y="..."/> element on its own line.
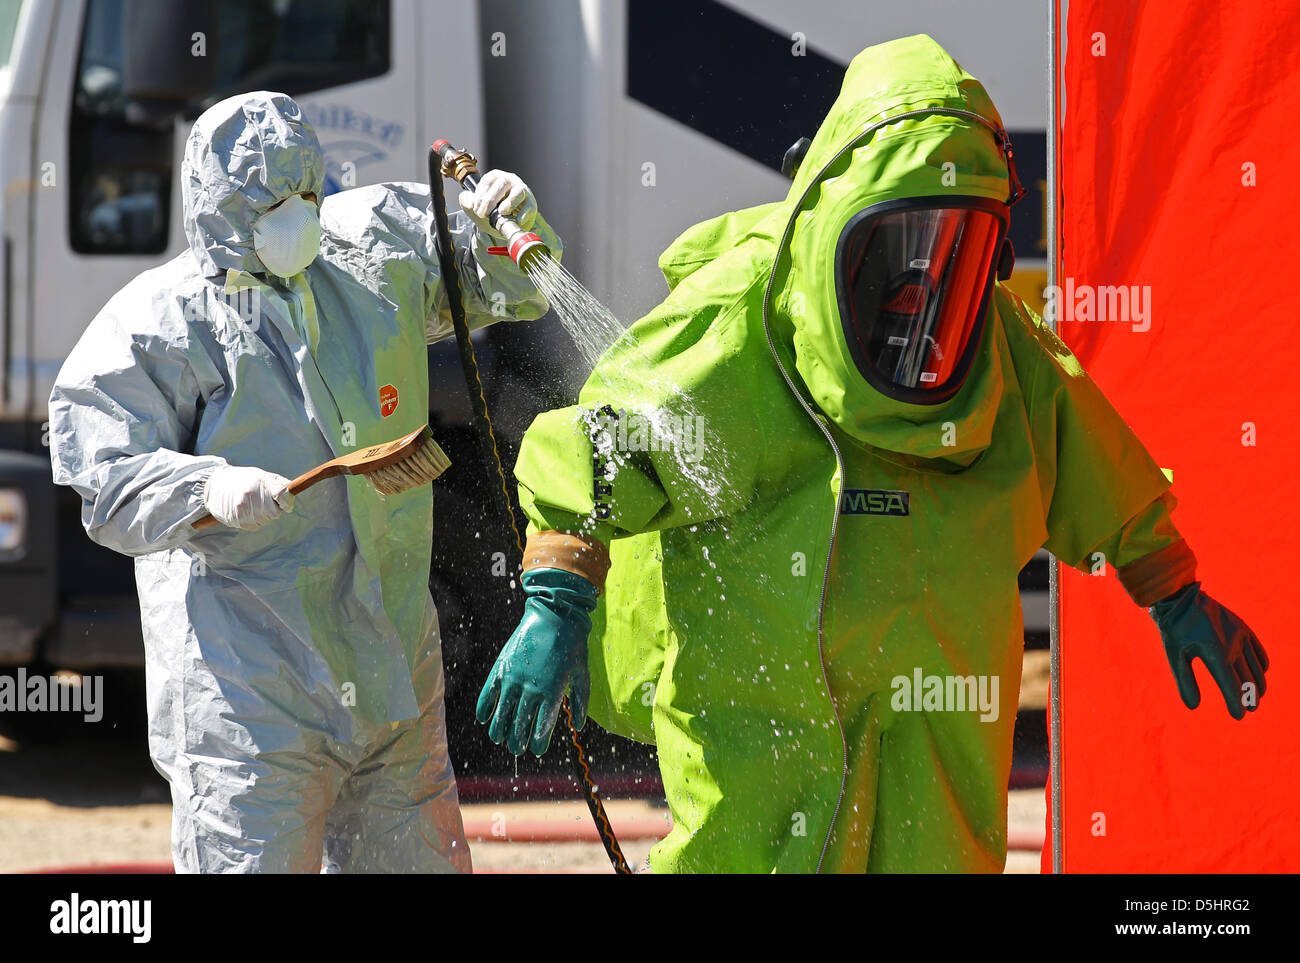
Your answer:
<point x="1164" y="130"/>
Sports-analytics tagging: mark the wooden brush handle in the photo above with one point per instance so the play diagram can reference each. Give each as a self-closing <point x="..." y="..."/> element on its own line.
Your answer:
<point x="358" y="463"/>
<point x="298" y="485"/>
<point x="317" y="474"/>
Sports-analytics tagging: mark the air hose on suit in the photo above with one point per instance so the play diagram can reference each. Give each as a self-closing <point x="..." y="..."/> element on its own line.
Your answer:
<point x="444" y="160"/>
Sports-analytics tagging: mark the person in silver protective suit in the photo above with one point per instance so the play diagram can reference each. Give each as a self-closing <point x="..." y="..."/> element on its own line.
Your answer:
<point x="293" y="664"/>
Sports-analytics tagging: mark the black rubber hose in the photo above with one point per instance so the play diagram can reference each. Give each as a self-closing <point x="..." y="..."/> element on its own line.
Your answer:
<point x="490" y="453"/>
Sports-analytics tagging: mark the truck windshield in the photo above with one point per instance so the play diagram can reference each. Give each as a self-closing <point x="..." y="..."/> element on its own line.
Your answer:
<point x="122" y="171"/>
<point x="9" y="10"/>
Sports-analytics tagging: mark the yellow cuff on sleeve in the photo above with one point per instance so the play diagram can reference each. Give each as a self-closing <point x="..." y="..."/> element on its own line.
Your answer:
<point x="1159" y="575"/>
<point x="569" y="552"/>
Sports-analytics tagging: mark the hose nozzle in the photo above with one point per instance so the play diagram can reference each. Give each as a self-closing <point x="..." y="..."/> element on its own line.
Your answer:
<point x="462" y="167"/>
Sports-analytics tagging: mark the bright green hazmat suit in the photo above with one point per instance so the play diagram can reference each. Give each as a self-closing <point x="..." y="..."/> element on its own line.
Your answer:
<point x="767" y="594"/>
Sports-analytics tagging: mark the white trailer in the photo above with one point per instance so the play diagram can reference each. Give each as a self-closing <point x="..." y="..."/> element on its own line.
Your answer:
<point x="631" y="119"/>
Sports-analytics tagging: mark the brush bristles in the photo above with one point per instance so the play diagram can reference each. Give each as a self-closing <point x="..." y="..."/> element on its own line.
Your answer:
<point x="425" y="463"/>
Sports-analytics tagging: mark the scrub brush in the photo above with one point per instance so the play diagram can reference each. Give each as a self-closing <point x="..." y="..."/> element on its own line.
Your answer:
<point x="392" y="467"/>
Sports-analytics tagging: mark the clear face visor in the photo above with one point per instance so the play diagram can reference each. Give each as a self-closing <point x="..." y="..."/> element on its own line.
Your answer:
<point x="913" y="285"/>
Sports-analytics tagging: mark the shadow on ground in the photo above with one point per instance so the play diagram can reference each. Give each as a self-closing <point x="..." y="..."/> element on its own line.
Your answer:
<point x="62" y="758"/>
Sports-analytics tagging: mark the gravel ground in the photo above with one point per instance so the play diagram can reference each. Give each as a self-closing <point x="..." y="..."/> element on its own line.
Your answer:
<point x="79" y="795"/>
<point x="38" y="834"/>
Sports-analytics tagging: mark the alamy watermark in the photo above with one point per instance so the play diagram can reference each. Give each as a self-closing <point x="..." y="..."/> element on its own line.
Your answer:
<point x="129" y="917"/>
<point x="1119" y="303"/>
<point x="55" y="693"/>
<point x="656" y="430"/>
<point x="946" y="693"/>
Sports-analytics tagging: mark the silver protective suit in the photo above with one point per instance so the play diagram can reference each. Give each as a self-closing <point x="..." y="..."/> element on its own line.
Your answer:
<point x="294" y="673"/>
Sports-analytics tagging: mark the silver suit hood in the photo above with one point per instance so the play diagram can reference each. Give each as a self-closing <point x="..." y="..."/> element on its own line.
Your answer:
<point x="244" y="155"/>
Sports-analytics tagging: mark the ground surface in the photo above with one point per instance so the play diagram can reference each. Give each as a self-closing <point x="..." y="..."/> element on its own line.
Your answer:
<point x="78" y="795"/>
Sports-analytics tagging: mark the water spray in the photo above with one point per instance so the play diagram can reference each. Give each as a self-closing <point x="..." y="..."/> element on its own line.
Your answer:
<point x="527" y="250"/>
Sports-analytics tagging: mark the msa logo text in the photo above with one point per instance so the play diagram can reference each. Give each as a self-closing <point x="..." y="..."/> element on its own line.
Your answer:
<point x="871" y="501"/>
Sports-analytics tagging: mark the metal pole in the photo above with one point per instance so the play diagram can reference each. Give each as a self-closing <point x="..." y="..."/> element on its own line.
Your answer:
<point x="1053" y="280"/>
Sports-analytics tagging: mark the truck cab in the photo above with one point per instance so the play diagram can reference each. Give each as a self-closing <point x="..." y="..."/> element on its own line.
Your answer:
<point x="96" y="101"/>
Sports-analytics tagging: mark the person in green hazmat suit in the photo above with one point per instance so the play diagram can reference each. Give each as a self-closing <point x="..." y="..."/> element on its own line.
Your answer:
<point x="806" y="483"/>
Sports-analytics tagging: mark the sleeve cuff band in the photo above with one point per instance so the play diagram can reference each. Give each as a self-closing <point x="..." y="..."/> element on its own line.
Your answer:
<point x="569" y="552"/>
<point x="1159" y="575"/>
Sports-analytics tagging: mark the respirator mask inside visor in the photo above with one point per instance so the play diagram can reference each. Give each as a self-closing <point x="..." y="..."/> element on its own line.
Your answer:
<point x="913" y="279"/>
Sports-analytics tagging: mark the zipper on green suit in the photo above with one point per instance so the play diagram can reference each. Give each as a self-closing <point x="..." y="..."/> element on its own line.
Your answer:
<point x="830" y="548"/>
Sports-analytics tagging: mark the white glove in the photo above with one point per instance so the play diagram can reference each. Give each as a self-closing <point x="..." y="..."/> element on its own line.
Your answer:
<point x="503" y="191"/>
<point x="246" y="498"/>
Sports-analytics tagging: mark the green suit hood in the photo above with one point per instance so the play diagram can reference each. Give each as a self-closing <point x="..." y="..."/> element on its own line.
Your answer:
<point x="937" y="153"/>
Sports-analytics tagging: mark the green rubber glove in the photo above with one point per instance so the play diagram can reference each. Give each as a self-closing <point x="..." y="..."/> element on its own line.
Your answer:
<point x="1194" y="626"/>
<point x="546" y="655"/>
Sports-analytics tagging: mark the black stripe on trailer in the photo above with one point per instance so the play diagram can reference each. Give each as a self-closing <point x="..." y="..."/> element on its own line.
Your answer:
<point x="726" y="76"/>
<point x="739" y="83"/>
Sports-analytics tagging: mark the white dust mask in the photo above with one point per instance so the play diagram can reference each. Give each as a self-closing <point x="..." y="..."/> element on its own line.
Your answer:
<point x="287" y="239"/>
